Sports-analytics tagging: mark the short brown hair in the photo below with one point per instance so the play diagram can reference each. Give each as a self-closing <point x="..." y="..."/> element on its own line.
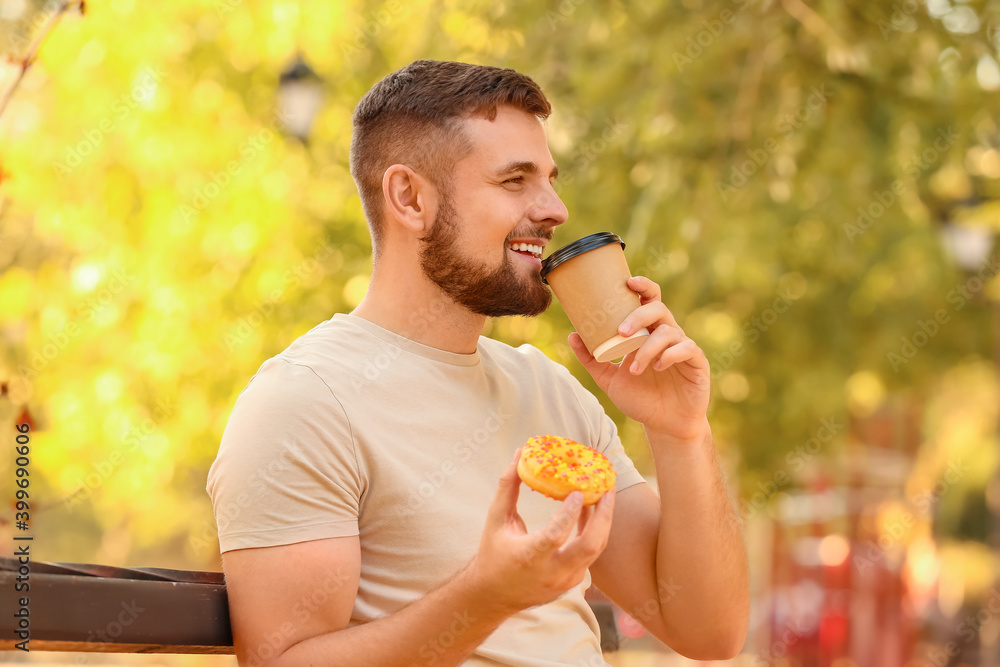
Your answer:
<point x="412" y="117"/>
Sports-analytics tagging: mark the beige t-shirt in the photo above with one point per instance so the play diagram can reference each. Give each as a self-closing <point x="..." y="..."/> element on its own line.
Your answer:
<point x="355" y="430"/>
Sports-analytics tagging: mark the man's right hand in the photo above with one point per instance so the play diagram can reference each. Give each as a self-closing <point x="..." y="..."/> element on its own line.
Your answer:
<point x="517" y="569"/>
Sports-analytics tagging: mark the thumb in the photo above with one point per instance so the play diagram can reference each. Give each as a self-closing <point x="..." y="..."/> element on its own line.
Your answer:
<point x="593" y="366"/>
<point x="505" y="501"/>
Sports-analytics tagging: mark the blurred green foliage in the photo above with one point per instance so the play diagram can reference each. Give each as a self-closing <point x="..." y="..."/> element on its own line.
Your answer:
<point x="782" y="170"/>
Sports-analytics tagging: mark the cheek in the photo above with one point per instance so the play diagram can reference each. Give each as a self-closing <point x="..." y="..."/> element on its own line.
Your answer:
<point x="490" y="218"/>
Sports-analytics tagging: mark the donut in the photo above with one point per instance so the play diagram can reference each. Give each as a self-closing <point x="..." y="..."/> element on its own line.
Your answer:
<point x="556" y="467"/>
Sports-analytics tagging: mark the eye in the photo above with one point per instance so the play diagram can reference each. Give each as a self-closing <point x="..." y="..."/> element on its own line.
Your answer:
<point x="517" y="180"/>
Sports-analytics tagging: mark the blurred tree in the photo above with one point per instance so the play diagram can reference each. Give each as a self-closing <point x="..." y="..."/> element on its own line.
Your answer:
<point x="780" y="169"/>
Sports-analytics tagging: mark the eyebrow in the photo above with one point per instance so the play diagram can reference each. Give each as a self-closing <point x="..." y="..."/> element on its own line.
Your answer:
<point x="527" y="167"/>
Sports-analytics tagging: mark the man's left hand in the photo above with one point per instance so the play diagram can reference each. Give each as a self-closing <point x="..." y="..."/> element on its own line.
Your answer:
<point x="665" y="384"/>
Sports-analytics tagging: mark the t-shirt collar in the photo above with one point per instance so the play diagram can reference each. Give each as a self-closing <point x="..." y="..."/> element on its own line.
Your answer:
<point x="433" y="353"/>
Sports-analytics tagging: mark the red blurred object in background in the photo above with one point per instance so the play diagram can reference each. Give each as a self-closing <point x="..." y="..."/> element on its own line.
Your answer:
<point x="629" y="627"/>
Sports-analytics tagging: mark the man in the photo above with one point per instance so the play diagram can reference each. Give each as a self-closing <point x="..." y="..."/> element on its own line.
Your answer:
<point x="360" y="517"/>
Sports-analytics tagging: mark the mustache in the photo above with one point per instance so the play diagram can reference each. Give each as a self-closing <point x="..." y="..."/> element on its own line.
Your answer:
<point x="544" y="234"/>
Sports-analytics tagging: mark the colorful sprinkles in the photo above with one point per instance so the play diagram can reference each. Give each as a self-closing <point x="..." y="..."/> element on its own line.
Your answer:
<point x="566" y="461"/>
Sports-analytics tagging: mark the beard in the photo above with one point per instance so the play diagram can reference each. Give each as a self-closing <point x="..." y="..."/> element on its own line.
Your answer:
<point x="493" y="292"/>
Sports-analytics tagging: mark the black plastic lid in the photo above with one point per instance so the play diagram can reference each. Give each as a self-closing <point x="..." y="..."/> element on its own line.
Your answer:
<point x="578" y="247"/>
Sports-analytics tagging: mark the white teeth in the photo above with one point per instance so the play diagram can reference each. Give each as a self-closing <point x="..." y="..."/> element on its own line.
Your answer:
<point x="525" y="247"/>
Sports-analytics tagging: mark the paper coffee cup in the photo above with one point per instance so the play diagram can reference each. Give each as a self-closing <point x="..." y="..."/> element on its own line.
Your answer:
<point x="589" y="277"/>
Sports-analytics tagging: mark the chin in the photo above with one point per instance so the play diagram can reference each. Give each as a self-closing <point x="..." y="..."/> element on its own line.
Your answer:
<point x="520" y="308"/>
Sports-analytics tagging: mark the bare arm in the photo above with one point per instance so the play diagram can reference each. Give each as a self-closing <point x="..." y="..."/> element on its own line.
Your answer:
<point x="291" y="605"/>
<point x="678" y="560"/>
<point x="700" y="542"/>
<point x="287" y="619"/>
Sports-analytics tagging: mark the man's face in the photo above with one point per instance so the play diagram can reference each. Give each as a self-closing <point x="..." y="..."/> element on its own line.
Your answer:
<point x="500" y="201"/>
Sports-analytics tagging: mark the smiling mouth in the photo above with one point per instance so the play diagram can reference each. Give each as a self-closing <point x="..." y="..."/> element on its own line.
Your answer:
<point x="526" y="249"/>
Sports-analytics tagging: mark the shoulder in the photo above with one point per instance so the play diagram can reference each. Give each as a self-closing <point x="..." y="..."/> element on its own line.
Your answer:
<point x="291" y="392"/>
<point x="338" y="353"/>
<point x="285" y="404"/>
<point x="329" y="341"/>
<point x="281" y="380"/>
<point x="526" y="360"/>
<point x="525" y="355"/>
<point x="286" y="419"/>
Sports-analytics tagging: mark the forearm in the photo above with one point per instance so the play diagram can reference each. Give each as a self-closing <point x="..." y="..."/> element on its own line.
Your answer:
<point x="442" y="628"/>
<point x="700" y="543"/>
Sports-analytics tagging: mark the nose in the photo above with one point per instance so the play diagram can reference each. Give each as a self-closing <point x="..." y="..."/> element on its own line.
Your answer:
<point x="549" y="208"/>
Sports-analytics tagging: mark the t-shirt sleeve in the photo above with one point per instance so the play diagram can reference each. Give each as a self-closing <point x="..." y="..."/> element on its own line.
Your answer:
<point x="605" y="434"/>
<point x="286" y="470"/>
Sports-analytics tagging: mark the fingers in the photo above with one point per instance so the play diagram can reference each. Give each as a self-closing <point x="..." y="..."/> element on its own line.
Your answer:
<point x="686" y="350"/>
<point x="586" y="359"/>
<point x="517" y="456"/>
<point x="651" y="312"/>
<point x="645" y="288"/>
<point x="585" y="515"/>
<point x="650" y="315"/>
<point x="555" y="534"/>
<point x="588" y="544"/>
<point x="578" y="346"/>
<point x="505" y="501"/>
<point x="659" y="340"/>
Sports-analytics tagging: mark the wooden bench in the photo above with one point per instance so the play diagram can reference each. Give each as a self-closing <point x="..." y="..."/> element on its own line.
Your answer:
<point x="98" y="608"/>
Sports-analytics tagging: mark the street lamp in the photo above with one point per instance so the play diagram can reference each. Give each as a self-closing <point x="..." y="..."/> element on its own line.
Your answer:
<point x="969" y="247"/>
<point x="300" y="96"/>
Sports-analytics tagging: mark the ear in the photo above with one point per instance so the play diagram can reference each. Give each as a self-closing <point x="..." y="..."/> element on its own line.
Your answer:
<point x="410" y="199"/>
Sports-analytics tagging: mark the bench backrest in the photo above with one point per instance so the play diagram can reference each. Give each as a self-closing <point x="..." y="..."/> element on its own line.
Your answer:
<point x="98" y="608"/>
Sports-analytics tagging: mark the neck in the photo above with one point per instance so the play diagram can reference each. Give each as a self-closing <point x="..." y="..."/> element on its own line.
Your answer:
<point x="401" y="299"/>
